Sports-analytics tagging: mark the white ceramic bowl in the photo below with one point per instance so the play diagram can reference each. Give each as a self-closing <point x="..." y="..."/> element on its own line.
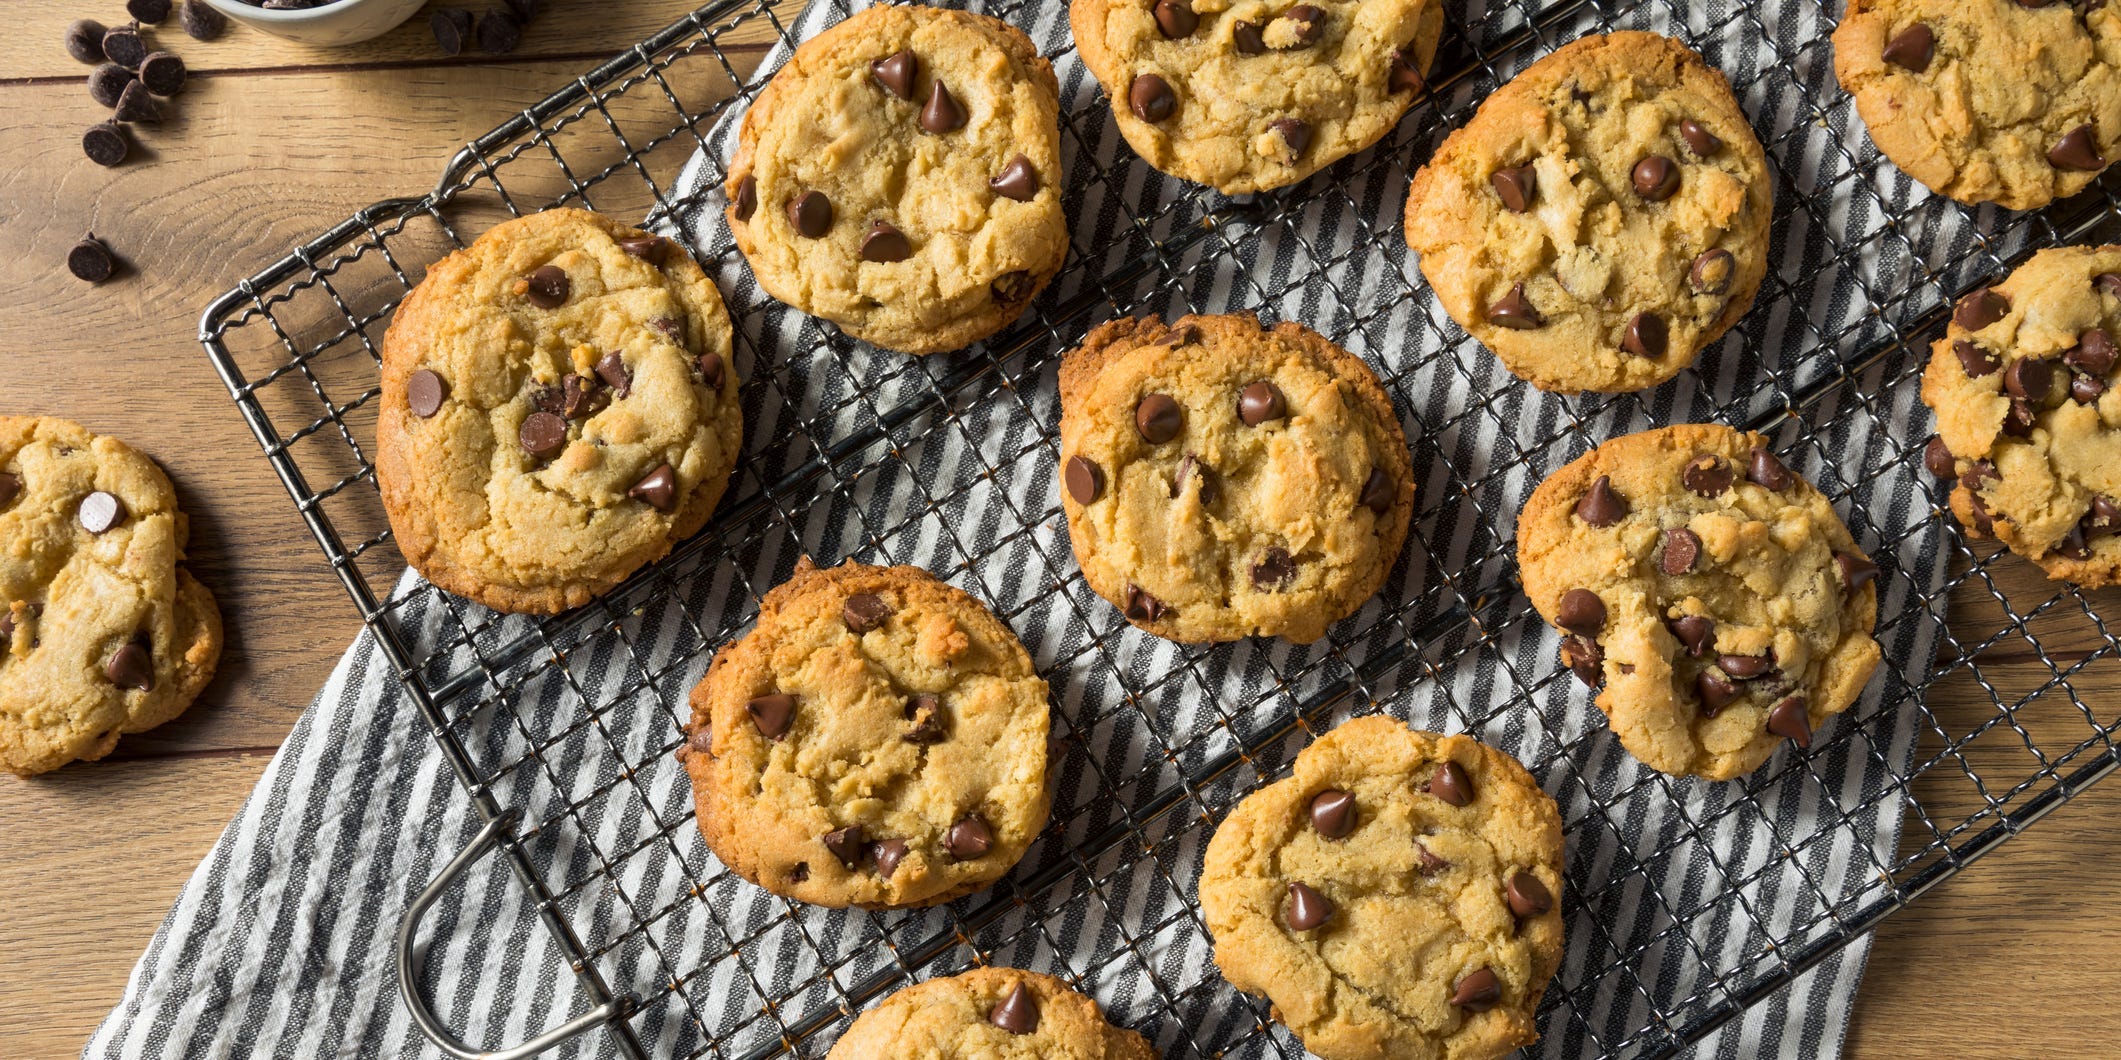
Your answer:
<point x="342" y="22"/>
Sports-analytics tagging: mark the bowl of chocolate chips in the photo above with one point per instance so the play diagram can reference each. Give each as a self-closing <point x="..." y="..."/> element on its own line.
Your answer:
<point x="320" y="22"/>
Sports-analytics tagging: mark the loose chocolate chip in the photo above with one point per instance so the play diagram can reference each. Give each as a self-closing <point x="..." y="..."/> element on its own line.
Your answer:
<point x="941" y="114"/>
<point x="106" y="144"/>
<point x="1192" y="467"/>
<point x="1711" y="272"/>
<point x="647" y="247"/>
<point x="1516" y="187"/>
<point x="132" y="666"/>
<point x="1745" y="667"/>
<point x="1275" y="569"/>
<point x="1682" y="550"/>
<point x="1085" y="481"/>
<point x="2104" y="517"/>
<point x="1695" y="632"/>
<point x="1018" y="1013"/>
<point x="1790" y="718"/>
<point x="1698" y="138"/>
<point x="1478" y="992"/>
<point x="925" y="711"/>
<point x="1333" y="813"/>
<point x="1307" y="908"/>
<point x="1259" y="402"/>
<point x="1151" y="98"/>
<point x="887" y="855"/>
<point x="2029" y="378"/>
<point x="124" y="46"/>
<point x="885" y="244"/>
<point x="151" y="12"/>
<point x="1646" y="336"/>
<point x="1911" y="48"/>
<point x="1176" y="18"/>
<point x="1528" y="897"/>
<point x="90" y="260"/>
<point x="811" y="214"/>
<point x="1716" y="692"/>
<point x="2077" y="150"/>
<point x="10" y="488"/>
<point x="137" y="104"/>
<point x="1937" y="458"/>
<point x="1012" y="287"/>
<point x="1581" y="611"/>
<point x="1295" y="135"/>
<point x="1856" y="571"/>
<point x="499" y="32"/>
<point x="424" y="393"/>
<point x="1247" y="38"/>
<point x="452" y="29"/>
<point x="99" y="512"/>
<point x="1981" y="307"/>
<point x="1656" y="178"/>
<point x="202" y="22"/>
<point x="547" y="287"/>
<point x="659" y="488"/>
<point x="106" y="83"/>
<point x="771" y="715"/>
<point x="1158" y="418"/>
<point x="864" y="611"/>
<point x="1309" y="22"/>
<point x="1974" y="360"/>
<point x="2094" y="352"/>
<point x="1451" y="784"/>
<point x="1515" y="311"/>
<point x="162" y="73"/>
<point x="543" y="434"/>
<point x="1585" y="658"/>
<point x="896" y="73"/>
<point x="969" y="838"/>
<point x="1142" y="607"/>
<point x="1707" y="475"/>
<point x="848" y="844"/>
<point x="2018" y="419"/>
<point x="84" y="40"/>
<point x="1766" y="470"/>
<point x="747" y="197"/>
<point x="1600" y="506"/>
<point x="711" y="371"/>
<point x="1017" y="180"/>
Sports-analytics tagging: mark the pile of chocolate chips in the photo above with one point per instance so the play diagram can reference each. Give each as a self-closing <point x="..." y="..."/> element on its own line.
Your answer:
<point x="498" y="31"/>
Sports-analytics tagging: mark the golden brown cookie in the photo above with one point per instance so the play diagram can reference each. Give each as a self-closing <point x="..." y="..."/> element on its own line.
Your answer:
<point x="988" y="1014"/>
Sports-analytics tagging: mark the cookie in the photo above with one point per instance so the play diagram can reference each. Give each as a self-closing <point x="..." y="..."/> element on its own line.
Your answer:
<point x="2028" y="425"/>
<point x="102" y="630"/>
<point x="1224" y="480"/>
<point x="901" y="177"/>
<point x="1602" y="219"/>
<point x="1710" y="590"/>
<point x="1398" y="896"/>
<point x="2015" y="102"/>
<point x="878" y="740"/>
<point x="559" y="407"/>
<point x="988" y="1013"/>
<point x="1247" y="95"/>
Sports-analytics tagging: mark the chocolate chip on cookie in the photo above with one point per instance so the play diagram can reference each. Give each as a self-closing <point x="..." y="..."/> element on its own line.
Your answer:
<point x="1084" y="480"/>
<point x="896" y="73"/>
<point x="1018" y="181"/>
<point x="811" y="214"/>
<point x="658" y="488"/>
<point x="1333" y="813"/>
<point x="547" y="287"/>
<point x="884" y="243"/>
<point x="1151" y="98"/>
<point x="1516" y="187"/>
<point x="99" y="511"/>
<point x="771" y="714"/>
<point x="424" y="393"/>
<point x="1308" y="909"/>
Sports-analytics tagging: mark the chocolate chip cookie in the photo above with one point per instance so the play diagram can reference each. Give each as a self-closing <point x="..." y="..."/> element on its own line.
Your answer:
<point x="2015" y="102"/>
<point x="1709" y="592"/>
<point x="559" y="407"/>
<point x="2028" y="425"/>
<point x="879" y="740"/>
<point x="1255" y="94"/>
<point x="102" y="630"/>
<point x="988" y="1012"/>
<point x="1223" y="480"/>
<point x="1603" y="217"/>
<point x="1397" y="897"/>
<point x="901" y="178"/>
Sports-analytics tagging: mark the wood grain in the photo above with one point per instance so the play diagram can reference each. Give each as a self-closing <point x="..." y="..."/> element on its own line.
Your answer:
<point x="275" y="141"/>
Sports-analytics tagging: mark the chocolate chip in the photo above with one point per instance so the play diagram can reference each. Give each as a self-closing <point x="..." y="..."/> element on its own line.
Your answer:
<point x="2094" y="352"/>
<point x="887" y="854"/>
<point x="747" y="197"/>
<point x="424" y="393"/>
<point x="1176" y="18"/>
<point x="1979" y="474"/>
<point x="1192" y="467"/>
<point x="1516" y="187"/>
<point x="136" y="104"/>
<point x="1974" y="360"/>
<point x="884" y="243"/>
<point x="451" y="27"/>
<point x="1142" y="607"/>
<point x="1856" y="571"/>
<point x="1790" y="718"/>
<point x="10" y="488"/>
<point x="2104" y="517"/>
<point x="649" y="248"/>
<point x="771" y="715"/>
<point x="548" y="287"/>
<point x="1600" y="506"/>
<point x="1581" y="611"/>
<point x="543" y="434"/>
<point x="659" y="488"/>
<point x="84" y="40"/>
<point x="611" y="368"/>
<point x="1911" y="48"/>
<point x="1983" y="523"/>
<point x="1515" y="311"/>
<point x="799" y="873"/>
<point x="1766" y="470"/>
<point x="1247" y="38"/>
<point x="1084" y="480"/>
<point x="1151" y="98"/>
<point x="1307" y="908"/>
<point x="123" y="45"/>
<point x="106" y="144"/>
<point x="499" y="32"/>
<point x="1981" y="307"/>
<point x="99" y="511"/>
<point x="1937" y="459"/>
<point x="1333" y="813"/>
<point x="1276" y="568"/>
<point x="202" y="22"/>
<point x="151" y="12"/>
<point x="1478" y="992"/>
<point x="1694" y="632"/>
<point x="1018" y="1013"/>
<point x="896" y="73"/>
<point x="811" y="214"/>
<point x="1017" y="180"/>
<point x="2029" y="378"/>
<point x="1716" y="692"/>
<point x="1378" y="493"/>
<point x="1404" y="76"/>
<point x="969" y="838"/>
<point x="2108" y="283"/>
<point x="1451" y="784"/>
<point x="1656" y="178"/>
<point x="1682" y="550"/>
<point x="1295" y="135"/>
<point x="1158" y="418"/>
<point x="162" y="73"/>
<point x="2077" y="150"/>
<point x="2018" y="419"/>
<point x="1585" y="658"/>
<point x="926" y="713"/>
<point x="1745" y="667"/>
<point x="1711" y="272"/>
<point x="1012" y="287"/>
<point x="2074" y="546"/>
<point x="1707" y="475"/>
<point x="1646" y="336"/>
<point x="865" y="611"/>
<point x="581" y="396"/>
<point x="106" y="83"/>
<point x="131" y="666"/>
<point x="1698" y="138"/>
<point x="1528" y="897"/>
<point x="847" y="844"/>
<point x="941" y="114"/>
<point x="1259" y="402"/>
<point x="711" y="369"/>
<point x="1430" y="863"/>
<point x="1309" y="22"/>
<point x="90" y="260"/>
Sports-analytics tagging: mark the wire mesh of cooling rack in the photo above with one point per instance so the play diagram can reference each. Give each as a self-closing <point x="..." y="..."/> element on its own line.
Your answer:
<point x="1687" y="904"/>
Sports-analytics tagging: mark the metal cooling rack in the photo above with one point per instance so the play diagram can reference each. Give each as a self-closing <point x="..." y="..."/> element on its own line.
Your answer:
<point x="583" y="711"/>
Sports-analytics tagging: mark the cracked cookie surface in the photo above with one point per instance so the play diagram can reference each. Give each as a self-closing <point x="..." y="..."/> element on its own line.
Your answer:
<point x="1247" y="95"/>
<point x="1710" y="590"/>
<point x="878" y="740"/>
<point x="988" y="1014"/>
<point x="2023" y="387"/>
<point x="2005" y="101"/>
<point x="1601" y="219"/>
<point x="102" y="630"/>
<point x="559" y="407"/>
<point x="1222" y="480"/>
<point x="1397" y="897"/>
<point x="901" y="177"/>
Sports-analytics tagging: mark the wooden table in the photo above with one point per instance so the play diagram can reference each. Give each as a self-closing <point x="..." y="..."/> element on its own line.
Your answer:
<point x="272" y="142"/>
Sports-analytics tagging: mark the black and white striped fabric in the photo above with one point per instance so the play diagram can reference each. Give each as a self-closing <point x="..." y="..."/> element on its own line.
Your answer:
<point x="1679" y="892"/>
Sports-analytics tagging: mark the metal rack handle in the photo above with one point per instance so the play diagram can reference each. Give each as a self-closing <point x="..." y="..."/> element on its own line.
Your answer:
<point x="410" y="965"/>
